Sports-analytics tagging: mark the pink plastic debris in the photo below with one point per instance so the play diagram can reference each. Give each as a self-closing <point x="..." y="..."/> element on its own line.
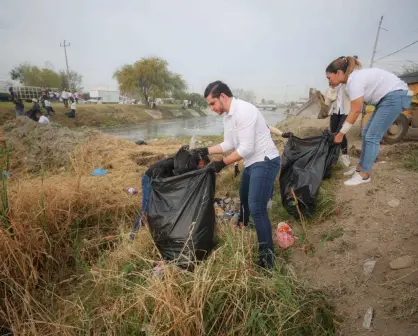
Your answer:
<point x="284" y="236"/>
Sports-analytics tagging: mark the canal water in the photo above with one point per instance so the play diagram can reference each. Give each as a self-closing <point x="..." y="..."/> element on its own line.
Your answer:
<point x="199" y="126"/>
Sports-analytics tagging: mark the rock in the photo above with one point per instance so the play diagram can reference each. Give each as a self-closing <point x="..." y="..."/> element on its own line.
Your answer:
<point x="227" y="200"/>
<point x="401" y="262"/>
<point x="368" y="267"/>
<point x="386" y="212"/>
<point x="140" y="142"/>
<point x="367" y="320"/>
<point x="394" y="203"/>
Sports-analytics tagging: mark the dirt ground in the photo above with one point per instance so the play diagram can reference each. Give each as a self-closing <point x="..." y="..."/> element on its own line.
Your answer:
<point x="371" y="230"/>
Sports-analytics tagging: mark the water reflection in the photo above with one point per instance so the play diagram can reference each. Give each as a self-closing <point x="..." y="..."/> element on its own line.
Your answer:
<point x="204" y="126"/>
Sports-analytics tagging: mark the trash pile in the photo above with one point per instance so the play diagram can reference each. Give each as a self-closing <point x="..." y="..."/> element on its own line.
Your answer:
<point x="227" y="206"/>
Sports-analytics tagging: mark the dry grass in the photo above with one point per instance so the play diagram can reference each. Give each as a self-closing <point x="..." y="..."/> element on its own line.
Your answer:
<point x="68" y="268"/>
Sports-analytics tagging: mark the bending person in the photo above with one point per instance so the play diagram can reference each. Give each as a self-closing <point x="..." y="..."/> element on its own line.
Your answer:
<point x="248" y="137"/>
<point x="372" y="86"/>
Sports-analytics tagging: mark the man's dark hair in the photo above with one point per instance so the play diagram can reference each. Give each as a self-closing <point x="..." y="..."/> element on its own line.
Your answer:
<point x="216" y="88"/>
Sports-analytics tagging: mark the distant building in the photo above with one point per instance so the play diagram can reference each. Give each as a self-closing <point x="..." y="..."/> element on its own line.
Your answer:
<point x="106" y="96"/>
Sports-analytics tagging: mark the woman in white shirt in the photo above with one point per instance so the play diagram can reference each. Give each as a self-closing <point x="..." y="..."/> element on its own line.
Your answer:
<point x="371" y="86"/>
<point x="248" y="137"/>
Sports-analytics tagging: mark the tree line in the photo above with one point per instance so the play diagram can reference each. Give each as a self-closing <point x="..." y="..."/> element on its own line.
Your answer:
<point x="31" y="75"/>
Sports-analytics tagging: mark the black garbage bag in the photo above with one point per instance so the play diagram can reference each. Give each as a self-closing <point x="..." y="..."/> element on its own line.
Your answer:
<point x="305" y="163"/>
<point x="182" y="216"/>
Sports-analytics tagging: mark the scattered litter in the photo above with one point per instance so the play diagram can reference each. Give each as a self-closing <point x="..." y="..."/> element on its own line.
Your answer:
<point x="269" y="204"/>
<point x="368" y="267"/>
<point x="6" y="175"/>
<point x="131" y="191"/>
<point x="141" y="142"/>
<point x="228" y="204"/>
<point x="401" y="262"/>
<point x="284" y="235"/>
<point x="235" y="220"/>
<point x="158" y="271"/>
<point x="99" y="172"/>
<point x="218" y="210"/>
<point x="394" y="203"/>
<point x="367" y="320"/>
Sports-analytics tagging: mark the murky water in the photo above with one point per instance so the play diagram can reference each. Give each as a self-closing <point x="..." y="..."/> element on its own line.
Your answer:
<point x="204" y="126"/>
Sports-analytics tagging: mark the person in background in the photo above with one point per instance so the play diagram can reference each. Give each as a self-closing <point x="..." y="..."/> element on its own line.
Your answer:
<point x="41" y="118"/>
<point x="19" y="107"/>
<point x="246" y="134"/>
<point x="374" y="86"/>
<point x="70" y="96"/>
<point x="64" y="96"/>
<point x="72" y="113"/>
<point x="48" y="107"/>
<point x="12" y="94"/>
<point x="34" y="110"/>
<point x="339" y="106"/>
<point x="76" y="96"/>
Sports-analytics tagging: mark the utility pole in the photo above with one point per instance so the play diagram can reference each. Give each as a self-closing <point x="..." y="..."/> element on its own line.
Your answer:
<point x="65" y="45"/>
<point x="377" y="39"/>
<point x="285" y="98"/>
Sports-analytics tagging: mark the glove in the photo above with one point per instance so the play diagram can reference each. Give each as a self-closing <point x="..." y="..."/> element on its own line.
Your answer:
<point x="204" y="151"/>
<point x="217" y="166"/>
<point x="236" y="171"/>
<point x="287" y="135"/>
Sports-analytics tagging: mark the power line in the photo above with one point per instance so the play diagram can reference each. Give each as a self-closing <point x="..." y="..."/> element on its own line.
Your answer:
<point x="397" y="51"/>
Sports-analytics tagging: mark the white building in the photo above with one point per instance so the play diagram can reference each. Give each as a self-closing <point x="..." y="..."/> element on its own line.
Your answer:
<point x="106" y="96"/>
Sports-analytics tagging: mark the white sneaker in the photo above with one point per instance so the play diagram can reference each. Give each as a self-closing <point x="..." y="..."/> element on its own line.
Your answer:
<point x="350" y="171"/>
<point x="346" y="160"/>
<point x="356" y="180"/>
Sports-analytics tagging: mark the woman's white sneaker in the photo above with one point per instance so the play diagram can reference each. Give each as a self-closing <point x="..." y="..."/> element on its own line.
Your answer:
<point x="346" y="160"/>
<point x="356" y="180"/>
<point x="350" y="171"/>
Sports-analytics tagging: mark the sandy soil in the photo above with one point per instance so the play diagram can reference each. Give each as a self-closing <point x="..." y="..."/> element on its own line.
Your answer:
<point x="372" y="230"/>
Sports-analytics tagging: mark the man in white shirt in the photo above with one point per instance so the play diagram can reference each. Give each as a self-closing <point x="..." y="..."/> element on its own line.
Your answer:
<point x="248" y="137"/>
<point x="64" y="96"/>
<point x="48" y="107"/>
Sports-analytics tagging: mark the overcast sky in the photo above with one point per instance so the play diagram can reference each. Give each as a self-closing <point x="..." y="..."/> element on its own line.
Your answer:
<point x="262" y="45"/>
